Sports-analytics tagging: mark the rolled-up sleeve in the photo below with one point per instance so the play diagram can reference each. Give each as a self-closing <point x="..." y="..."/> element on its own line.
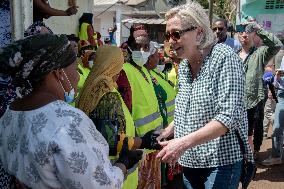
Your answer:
<point x="230" y="84"/>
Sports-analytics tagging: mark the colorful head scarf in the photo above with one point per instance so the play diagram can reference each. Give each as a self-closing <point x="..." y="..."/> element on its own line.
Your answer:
<point x="107" y="64"/>
<point x="136" y="31"/>
<point x="37" y="27"/>
<point x="29" y="60"/>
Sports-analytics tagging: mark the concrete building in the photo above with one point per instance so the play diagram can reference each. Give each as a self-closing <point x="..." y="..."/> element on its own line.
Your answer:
<point x="269" y="13"/>
<point x="108" y="13"/>
<point x="68" y="24"/>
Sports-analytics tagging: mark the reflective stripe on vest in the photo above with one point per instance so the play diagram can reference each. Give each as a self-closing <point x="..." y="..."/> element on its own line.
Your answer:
<point x="171" y="94"/>
<point x="170" y="110"/>
<point x="147" y="119"/>
<point x="145" y="108"/>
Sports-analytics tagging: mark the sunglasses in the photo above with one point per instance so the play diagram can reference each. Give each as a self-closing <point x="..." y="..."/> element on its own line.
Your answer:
<point x="175" y="35"/>
<point x="219" y="29"/>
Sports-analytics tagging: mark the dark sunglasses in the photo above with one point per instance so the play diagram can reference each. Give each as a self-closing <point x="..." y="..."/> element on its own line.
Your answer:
<point x="219" y="29"/>
<point x="175" y="35"/>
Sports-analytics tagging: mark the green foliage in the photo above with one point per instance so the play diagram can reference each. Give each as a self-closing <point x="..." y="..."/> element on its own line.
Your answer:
<point x="204" y="3"/>
<point x="222" y="8"/>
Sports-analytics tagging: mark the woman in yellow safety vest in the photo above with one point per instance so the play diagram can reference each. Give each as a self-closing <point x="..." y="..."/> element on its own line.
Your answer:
<point x="85" y="60"/>
<point x="100" y="100"/>
<point x="86" y="30"/>
<point x="138" y="93"/>
<point x="165" y="92"/>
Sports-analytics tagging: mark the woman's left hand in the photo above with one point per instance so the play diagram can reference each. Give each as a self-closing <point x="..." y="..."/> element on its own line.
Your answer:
<point x="172" y="150"/>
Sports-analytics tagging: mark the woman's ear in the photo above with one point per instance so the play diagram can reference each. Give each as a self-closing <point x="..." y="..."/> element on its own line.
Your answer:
<point x="199" y="35"/>
<point x="199" y="30"/>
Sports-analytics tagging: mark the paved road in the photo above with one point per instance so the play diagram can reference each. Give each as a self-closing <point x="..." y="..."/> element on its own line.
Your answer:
<point x="271" y="177"/>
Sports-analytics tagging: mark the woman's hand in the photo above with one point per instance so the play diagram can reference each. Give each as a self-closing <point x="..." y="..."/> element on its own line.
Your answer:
<point x="172" y="150"/>
<point x="72" y="10"/>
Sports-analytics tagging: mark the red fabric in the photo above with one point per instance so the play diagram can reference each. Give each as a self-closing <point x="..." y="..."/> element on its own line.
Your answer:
<point x="100" y="43"/>
<point x="124" y="89"/>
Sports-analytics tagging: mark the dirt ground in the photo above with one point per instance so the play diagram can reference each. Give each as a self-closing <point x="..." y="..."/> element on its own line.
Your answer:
<point x="268" y="177"/>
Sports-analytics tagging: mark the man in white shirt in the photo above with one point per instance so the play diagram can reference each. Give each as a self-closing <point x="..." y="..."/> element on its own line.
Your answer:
<point x="220" y="29"/>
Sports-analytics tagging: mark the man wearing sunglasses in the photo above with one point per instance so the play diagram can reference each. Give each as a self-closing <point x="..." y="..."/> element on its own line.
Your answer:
<point x="220" y="29"/>
<point x="255" y="58"/>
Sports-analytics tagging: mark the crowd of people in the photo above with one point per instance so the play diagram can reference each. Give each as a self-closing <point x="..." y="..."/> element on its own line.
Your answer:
<point x="77" y="112"/>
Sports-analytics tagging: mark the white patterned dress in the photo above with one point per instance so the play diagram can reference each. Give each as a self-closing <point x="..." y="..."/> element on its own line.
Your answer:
<point x="56" y="146"/>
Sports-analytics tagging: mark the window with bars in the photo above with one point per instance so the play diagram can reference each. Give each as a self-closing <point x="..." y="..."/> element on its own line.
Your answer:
<point x="274" y="4"/>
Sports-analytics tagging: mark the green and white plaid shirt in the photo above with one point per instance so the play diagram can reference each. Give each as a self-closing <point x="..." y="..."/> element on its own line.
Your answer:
<point x="217" y="93"/>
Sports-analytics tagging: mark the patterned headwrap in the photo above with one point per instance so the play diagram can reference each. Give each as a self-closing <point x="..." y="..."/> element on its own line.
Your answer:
<point x="137" y="32"/>
<point x="29" y="60"/>
<point x="100" y="79"/>
<point x="37" y="27"/>
<point x="140" y="30"/>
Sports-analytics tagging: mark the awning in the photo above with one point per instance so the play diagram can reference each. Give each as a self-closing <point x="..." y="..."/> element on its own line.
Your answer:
<point x="104" y="2"/>
<point x="134" y="2"/>
<point x="144" y="21"/>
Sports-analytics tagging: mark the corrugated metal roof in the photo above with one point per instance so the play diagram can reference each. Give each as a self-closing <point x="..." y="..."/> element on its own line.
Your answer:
<point x="134" y="2"/>
<point x="105" y="2"/>
<point x="144" y="21"/>
<point x="111" y="2"/>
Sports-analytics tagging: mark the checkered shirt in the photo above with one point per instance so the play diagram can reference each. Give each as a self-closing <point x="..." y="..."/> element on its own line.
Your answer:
<point x="217" y="94"/>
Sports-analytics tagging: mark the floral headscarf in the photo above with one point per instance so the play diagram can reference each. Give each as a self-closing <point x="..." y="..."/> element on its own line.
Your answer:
<point x="37" y="27"/>
<point x="27" y="61"/>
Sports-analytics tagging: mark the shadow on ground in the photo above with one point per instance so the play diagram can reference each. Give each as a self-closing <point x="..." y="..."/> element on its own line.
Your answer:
<point x="273" y="173"/>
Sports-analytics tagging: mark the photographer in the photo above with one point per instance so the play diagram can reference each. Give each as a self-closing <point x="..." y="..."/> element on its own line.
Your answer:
<point x="278" y="126"/>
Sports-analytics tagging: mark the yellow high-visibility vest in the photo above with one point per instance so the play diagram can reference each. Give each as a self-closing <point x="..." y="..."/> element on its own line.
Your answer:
<point x="83" y="33"/>
<point x="145" y="108"/>
<point x="172" y="76"/>
<point x="132" y="179"/>
<point x="171" y="95"/>
<point x="84" y="72"/>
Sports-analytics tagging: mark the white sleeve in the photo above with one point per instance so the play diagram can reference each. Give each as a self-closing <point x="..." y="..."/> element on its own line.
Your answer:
<point x="82" y="158"/>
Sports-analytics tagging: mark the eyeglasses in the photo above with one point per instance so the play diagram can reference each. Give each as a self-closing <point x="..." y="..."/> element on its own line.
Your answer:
<point x="175" y="35"/>
<point x="219" y="29"/>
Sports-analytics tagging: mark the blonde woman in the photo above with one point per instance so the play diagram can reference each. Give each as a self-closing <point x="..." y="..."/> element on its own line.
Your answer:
<point x="209" y="110"/>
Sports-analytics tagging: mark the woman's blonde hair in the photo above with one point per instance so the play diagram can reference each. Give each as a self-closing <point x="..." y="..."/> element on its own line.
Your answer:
<point x="107" y="64"/>
<point x="193" y="14"/>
